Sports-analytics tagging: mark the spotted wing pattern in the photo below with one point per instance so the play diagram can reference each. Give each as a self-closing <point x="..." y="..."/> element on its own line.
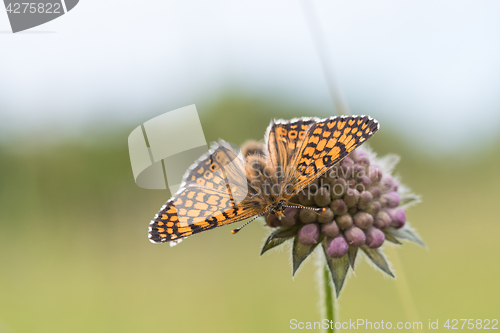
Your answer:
<point x="213" y="193"/>
<point x="327" y="142"/>
<point x="284" y="140"/>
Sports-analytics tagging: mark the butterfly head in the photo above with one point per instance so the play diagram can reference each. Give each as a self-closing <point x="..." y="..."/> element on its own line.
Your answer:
<point x="278" y="209"/>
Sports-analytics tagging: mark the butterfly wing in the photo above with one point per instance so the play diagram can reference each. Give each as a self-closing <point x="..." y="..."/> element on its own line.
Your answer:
<point x="284" y="139"/>
<point x="326" y="143"/>
<point x="305" y="148"/>
<point x="213" y="193"/>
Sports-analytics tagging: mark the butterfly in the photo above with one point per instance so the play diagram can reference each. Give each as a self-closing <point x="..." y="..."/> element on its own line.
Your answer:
<point x="224" y="187"/>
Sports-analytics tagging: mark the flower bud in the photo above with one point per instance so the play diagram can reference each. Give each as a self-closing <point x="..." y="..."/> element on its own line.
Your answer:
<point x="309" y="234"/>
<point x="339" y="207"/>
<point x="345" y="171"/>
<point x="344" y="221"/>
<point x="338" y="188"/>
<point x="358" y="171"/>
<point x="322" y="197"/>
<point x="398" y="217"/>
<point x="306" y="216"/>
<point x="313" y="186"/>
<point x="390" y="199"/>
<point x="374" y="237"/>
<point x="359" y="155"/>
<point x="326" y="216"/>
<point x="376" y="192"/>
<point x="373" y="208"/>
<point x="388" y="183"/>
<point x="364" y="183"/>
<point x="330" y="229"/>
<point x="337" y="247"/>
<point x="273" y="221"/>
<point x="375" y="174"/>
<point x="365" y="199"/>
<point x="330" y="174"/>
<point x="355" y="236"/>
<point x="363" y="160"/>
<point x="382" y="220"/>
<point x="291" y="216"/>
<point x="363" y="220"/>
<point x="325" y="182"/>
<point x="347" y="161"/>
<point x="306" y="199"/>
<point x="351" y="197"/>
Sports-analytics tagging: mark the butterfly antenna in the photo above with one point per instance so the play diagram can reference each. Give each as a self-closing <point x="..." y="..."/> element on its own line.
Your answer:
<point x="311" y="209"/>
<point x="255" y="217"/>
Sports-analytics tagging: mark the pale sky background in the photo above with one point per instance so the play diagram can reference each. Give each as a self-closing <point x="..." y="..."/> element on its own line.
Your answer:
<point x="431" y="69"/>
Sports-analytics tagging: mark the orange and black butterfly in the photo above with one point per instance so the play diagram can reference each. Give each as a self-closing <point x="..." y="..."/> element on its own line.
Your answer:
<point x="224" y="187"/>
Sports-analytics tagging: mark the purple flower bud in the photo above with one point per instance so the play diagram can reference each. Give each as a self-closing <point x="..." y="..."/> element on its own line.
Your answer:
<point x="376" y="192"/>
<point x="338" y="188"/>
<point x="363" y="220"/>
<point x="344" y="221"/>
<point x="355" y="236"/>
<point x="309" y="234"/>
<point x="326" y="216"/>
<point x="291" y="216"/>
<point x="329" y="175"/>
<point x="388" y="183"/>
<point x="365" y="199"/>
<point x="339" y="207"/>
<point x="322" y="197"/>
<point x="347" y="161"/>
<point x="313" y="188"/>
<point x="364" y="183"/>
<point x="358" y="171"/>
<point x="373" y="208"/>
<point x="306" y="216"/>
<point x="398" y="217"/>
<point x="330" y="229"/>
<point x="375" y="174"/>
<point x="374" y="237"/>
<point x="382" y="220"/>
<point x="337" y="247"/>
<point x="351" y="197"/>
<point x="359" y="155"/>
<point x="273" y="221"/>
<point x="390" y="199"/>
<point x="363" y="160"/>
<point x="306" y="199"/>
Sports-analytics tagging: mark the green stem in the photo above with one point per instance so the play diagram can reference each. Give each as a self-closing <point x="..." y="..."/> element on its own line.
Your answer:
<point x="329" y="301"/>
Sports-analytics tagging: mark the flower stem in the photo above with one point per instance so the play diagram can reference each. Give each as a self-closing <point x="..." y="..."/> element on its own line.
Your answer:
<point x="329" y="301"/>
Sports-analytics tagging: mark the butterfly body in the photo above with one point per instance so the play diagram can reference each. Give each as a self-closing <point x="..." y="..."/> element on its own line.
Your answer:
<point x="224" y="187"/>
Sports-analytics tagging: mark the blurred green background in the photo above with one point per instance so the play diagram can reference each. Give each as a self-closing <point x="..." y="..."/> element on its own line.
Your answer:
<point x="74" y="253"/>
